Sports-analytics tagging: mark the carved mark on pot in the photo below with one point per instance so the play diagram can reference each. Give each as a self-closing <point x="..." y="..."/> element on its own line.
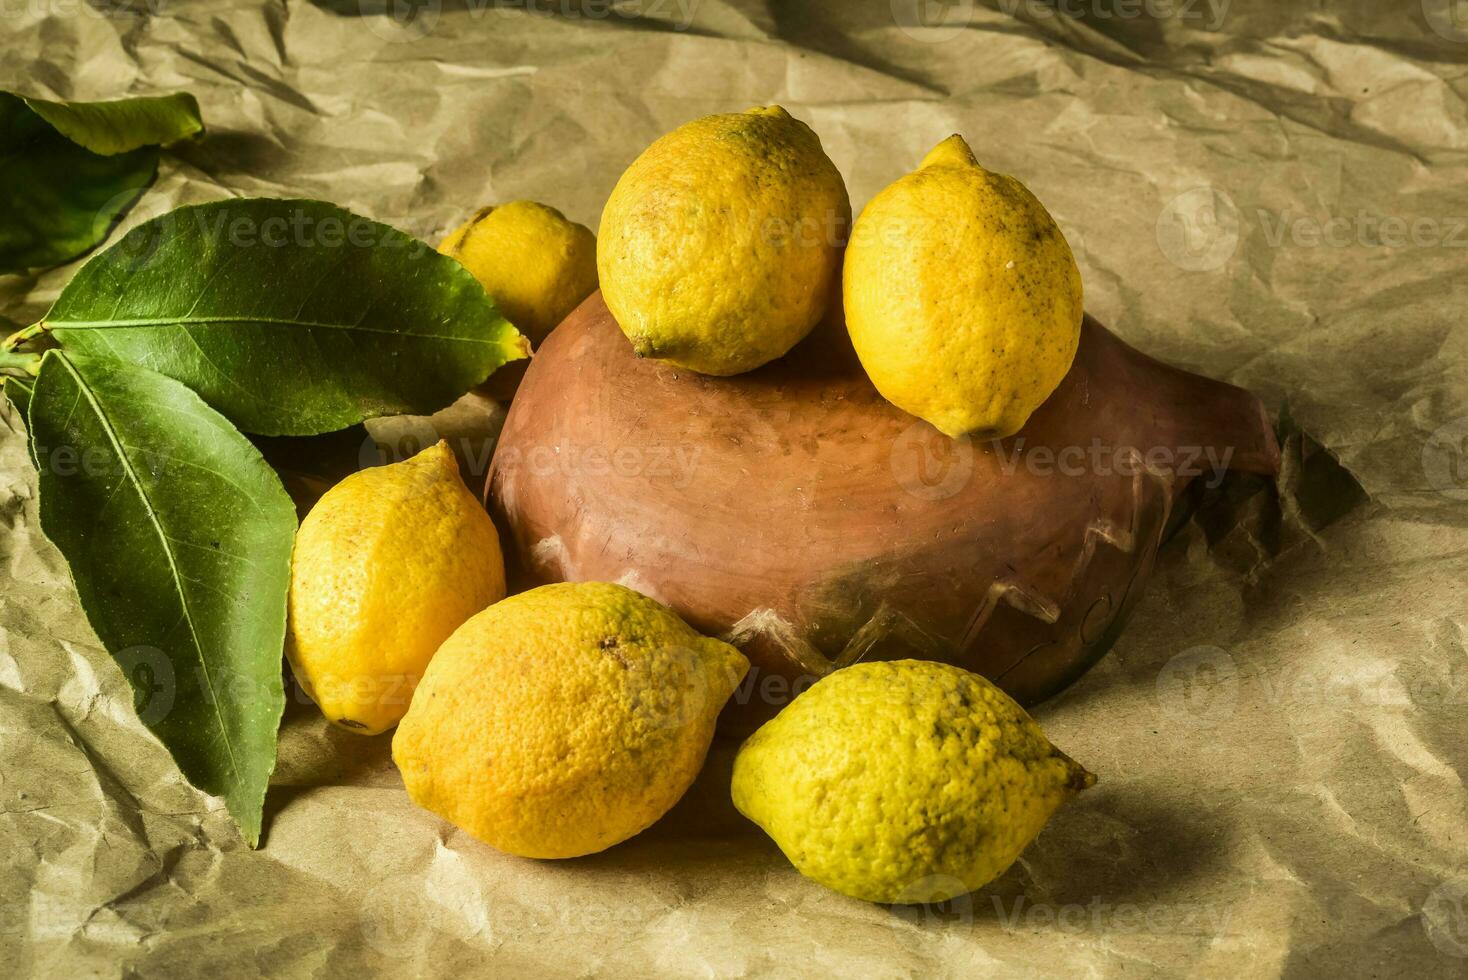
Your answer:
<point x="886" y="623"/>
<point x="1093" y="624"/>
<point x="1029" y="600"/>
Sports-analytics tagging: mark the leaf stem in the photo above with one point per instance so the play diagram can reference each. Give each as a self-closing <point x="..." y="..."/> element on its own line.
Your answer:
<point x="22" y="335"/>
<point x="22" y="364"/>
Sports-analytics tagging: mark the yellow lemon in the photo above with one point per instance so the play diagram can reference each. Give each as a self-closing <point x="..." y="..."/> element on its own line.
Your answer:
<point x="720" y="245"/>
<point x="961" y="296"/>
<point x="387" y="564"/>
<point x="537" y="264"/>
<point x="565" y="719"/>
<point x="902" y="782"/>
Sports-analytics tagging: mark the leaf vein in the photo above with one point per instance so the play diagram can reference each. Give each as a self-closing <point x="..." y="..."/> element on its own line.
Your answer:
<point x="178" y="577"/>
<point x="144" y="322"/>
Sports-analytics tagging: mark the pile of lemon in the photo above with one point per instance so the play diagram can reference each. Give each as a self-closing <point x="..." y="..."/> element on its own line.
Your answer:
<point x="562" y="720"/>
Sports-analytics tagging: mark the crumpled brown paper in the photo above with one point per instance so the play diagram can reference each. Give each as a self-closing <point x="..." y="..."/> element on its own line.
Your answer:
<point x="1274" y="194"/>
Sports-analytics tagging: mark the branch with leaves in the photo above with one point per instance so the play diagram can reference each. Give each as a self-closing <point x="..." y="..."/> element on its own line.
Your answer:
<point x="245" y="316"/>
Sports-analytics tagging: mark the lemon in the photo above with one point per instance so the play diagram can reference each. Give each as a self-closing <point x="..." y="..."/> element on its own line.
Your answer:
<point x="387" y="564"/>
<point x="537" y="264"/>
<point x="720" y="245"/>
<point x="565" y="719"/>
<point x="902" y="781"/>
<point x="961" y="295"/>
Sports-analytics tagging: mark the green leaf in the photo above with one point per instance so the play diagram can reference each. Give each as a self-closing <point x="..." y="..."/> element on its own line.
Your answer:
<point x="117" y="127"/>
<point x="290" y="317"/>
<point x="179" y="537"/>
<point x="19" y="391"/>
<point x="69" y="171"/>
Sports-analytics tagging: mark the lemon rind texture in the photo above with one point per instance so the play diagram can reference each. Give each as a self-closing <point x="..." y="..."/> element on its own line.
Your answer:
<point x="719" y="247"/>
<point x="962" y="297"/>
<point x="902" y="781"/>
<point x="386" y="565"/>
<point x="564" y="720"/>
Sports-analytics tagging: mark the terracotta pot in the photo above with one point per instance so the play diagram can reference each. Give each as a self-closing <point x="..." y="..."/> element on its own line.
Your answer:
<point x="797" y="513"/>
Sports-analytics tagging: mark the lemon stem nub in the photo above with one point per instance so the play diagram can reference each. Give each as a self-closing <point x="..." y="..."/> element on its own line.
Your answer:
<point x="952" y="152"/>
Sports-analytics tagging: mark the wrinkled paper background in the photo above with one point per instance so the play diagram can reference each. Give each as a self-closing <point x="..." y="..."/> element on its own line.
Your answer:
<point x="1274" y="194"/>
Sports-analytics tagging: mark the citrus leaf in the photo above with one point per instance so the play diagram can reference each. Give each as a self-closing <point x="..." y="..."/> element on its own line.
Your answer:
<point x="69" y="171"/>
<point x="178" y="536"/>
<point x="127" y="124"/>
<point x="18" y="390"/>
<point x="289" y="317"/>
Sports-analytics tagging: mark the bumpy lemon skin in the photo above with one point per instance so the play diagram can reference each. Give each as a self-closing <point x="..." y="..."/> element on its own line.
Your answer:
<point x="565" y="719"/>
<point x="961" y="295"/>
<point x="902" y="782"/>
<point x="387" y="564"/>
<point x="720" y="245"/>
<point x="537" y="264"/>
